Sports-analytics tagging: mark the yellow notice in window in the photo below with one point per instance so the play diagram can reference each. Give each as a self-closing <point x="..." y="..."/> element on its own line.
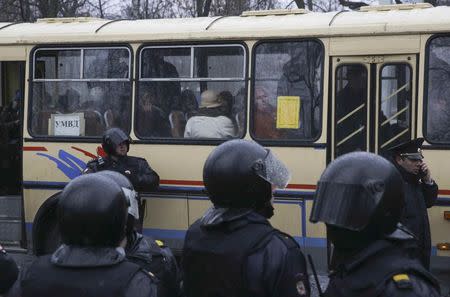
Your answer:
<point x="288" y="112"/>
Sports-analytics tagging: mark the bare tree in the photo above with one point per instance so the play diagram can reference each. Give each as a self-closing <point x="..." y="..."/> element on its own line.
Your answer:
<point x="102" y="9"/>
<point x="203" y="7"/>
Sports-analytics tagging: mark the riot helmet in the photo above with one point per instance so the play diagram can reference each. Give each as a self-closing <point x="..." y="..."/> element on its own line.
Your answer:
<point x="130" y="193"/>
<point x="112" y="138"/>
<point x="359" y="192"/>
<point x="241" y="174"/>
<point x="92" y="211"/>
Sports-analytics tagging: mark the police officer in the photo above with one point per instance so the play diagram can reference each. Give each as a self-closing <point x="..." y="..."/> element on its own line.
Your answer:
<point x="359" y="200"/>
<point x="233" y="250"/>
<point x="420" y="192"/>
<point x="152" y="255"/>
<point x="92" y="215"/>
<point x="116" y="145"/>
<point x="8" y="271"/>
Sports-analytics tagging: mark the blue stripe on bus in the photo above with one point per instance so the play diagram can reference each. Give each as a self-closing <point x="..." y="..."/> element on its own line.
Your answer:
<point x="43" y="185"/>
<point x="180" y="234"/>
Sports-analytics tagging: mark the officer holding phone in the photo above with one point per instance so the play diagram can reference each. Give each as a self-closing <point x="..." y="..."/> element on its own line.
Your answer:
<point x="420" y="193"/>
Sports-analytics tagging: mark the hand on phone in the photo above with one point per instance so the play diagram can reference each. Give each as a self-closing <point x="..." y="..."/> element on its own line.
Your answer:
<point x="424" y="173"/>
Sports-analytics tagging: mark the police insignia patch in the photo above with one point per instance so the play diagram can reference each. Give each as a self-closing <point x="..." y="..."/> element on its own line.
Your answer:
<point x="301" y="289"/>
<point x="402" y="281"/>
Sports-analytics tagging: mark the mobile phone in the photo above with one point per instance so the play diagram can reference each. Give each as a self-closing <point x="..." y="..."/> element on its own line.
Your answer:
<point x="422" y="173"/>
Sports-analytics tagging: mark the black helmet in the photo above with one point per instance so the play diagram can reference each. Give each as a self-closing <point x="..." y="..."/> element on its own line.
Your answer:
<point x="112" y="138"/>
<point x="130" y="193"/>
<point x="92" y="211"/>
<point x="240" y="173"/>
<point x="359" y="192"/>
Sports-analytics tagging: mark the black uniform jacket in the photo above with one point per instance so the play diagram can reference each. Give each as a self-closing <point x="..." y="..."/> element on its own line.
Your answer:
<point x="84" y="271"/>
<point x="386" y="267"/>
<point x="156" y="258"/>
<point x="236" y="252"/>
<point x="418" y="197"/>
<point x="137" y="170"/>
<point x="8" y="271"/>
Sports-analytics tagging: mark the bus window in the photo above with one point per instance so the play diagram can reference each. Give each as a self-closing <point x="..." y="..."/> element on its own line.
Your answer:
<point x="287" y="100"/>
<point x="437" y="94"/>
<point x="351" y="109"/>
<point x="80" y="92"/>
<point x="194" y="92"/>
<point x="394" y="117"/>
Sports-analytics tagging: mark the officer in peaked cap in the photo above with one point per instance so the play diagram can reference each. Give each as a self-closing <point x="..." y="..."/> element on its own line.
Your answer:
<point x="420" y="192"/>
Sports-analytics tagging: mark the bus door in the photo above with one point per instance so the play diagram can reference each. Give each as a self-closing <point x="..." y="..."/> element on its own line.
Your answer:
<point x="12" y="79"/>
<point x="373" y="103"/>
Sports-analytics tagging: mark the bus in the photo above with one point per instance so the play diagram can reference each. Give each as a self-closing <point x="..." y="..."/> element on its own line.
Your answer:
<point x="309" y="86"/>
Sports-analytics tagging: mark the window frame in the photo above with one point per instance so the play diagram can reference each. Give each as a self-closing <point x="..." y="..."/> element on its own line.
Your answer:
<point x="287" y="142"/>
<point x="31" y="80"/>
<point x="412" y="105"/>
<point x="432" y="144"/>
<point x="138" y="80"/>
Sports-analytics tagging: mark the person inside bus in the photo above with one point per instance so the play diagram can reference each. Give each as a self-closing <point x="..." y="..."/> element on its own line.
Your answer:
<point x="294" y="82"/>
<point x="420" y="192"/>
<point x="152" y="255"/>
<point x="348" y="99"/>
<point x="183" y="110"/>
<point x="116" y="145"/>
<point x="264" y="116"/>
<point x="360" y="201"/>
<point x="151" y="120"/>
<point x="92" y="215"/>
<point x="211" y="119"/>
<point x="69" y="102"/>
<point x="9" y="146"/>
<point x="233" y="250"/>
<point x="167" y="92"/>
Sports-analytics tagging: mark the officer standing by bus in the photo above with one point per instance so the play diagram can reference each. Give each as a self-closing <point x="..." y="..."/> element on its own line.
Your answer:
<point x="116" y="145"/>
<point x="420" y="193"/>
<point x="359" y="199"/>
<point x="233" y="250"/>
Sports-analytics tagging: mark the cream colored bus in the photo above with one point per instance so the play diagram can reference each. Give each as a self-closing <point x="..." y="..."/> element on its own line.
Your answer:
<point x="311" y="86"/>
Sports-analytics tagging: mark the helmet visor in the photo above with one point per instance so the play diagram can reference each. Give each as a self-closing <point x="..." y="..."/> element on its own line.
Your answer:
<point x="133" y="208"/>
<point x="349" y="206"/>
<point x="273" y="171"/>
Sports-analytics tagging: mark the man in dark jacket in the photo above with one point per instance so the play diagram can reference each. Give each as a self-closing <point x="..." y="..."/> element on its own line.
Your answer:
<point x="420" y="192"/>
<point x="8" y="271"/>
<point x="92" y="215"/>
<point x="233" y="250"/>
<point x="116" y="145"/>
<point x="359" y="199"/>
<point x="150" y="254"/>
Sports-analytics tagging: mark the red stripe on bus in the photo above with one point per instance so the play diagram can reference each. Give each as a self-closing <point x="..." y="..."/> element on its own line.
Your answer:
<point x="182" y="182"/>
<point x="444" y="192"/>
<point x="299" y="186"/>
<point x="34" y="149"/>
<point x="88" y="154"/>
<point x="200" y="183"/>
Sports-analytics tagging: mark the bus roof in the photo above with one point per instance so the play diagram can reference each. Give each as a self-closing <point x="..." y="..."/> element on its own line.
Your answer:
<point x="375" y="21"/>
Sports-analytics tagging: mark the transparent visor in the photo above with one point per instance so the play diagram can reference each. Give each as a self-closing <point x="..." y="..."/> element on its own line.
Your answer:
<point x="133" y="208"/>
<point x="273" y="171"/>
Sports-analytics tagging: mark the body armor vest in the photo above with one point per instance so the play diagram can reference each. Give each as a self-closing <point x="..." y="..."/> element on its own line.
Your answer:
<point x="215" y="258"/>
<point x="44" y="279"/>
